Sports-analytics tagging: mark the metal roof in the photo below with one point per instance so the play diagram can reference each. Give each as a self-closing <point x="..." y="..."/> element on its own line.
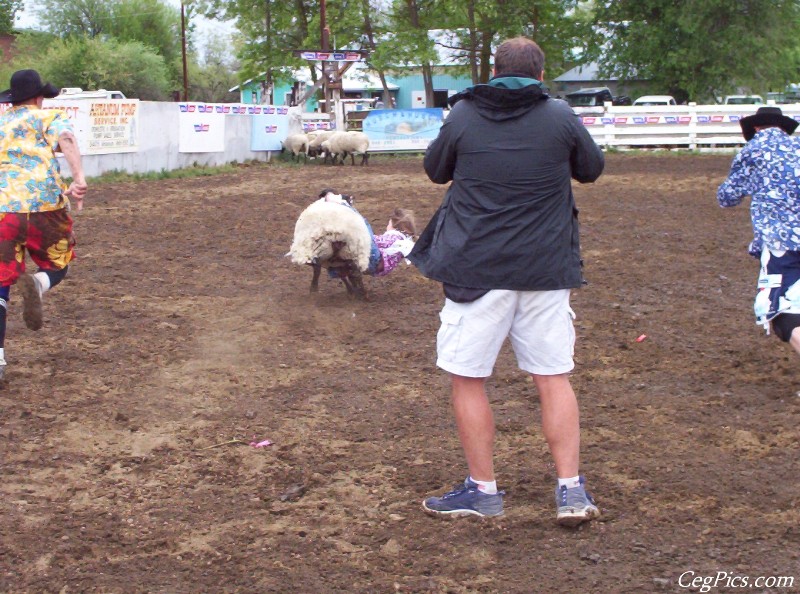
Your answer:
<point x="583" y="73"/>
<point x="589" y="73"/>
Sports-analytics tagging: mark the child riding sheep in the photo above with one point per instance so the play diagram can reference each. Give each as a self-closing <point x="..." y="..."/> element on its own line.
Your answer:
<point x="332" y="234"/>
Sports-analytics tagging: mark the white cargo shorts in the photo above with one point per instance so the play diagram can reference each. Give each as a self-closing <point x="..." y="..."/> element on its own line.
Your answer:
<point x="539" y="324"/>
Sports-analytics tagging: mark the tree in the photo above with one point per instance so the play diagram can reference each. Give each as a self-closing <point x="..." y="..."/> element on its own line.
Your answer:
<point x="415" y="13"/>
<point x="130" y="67"/>
<point x="153" y="23"/>
<point x="8" y="11"/>
<point x="699" y="49"/>
<point x="27" y="43"/>
<point x="75" y="17"/>
<point x="269" y="31"/>
<point x="150" y="22"/>
<point x="372" y="31"/>
<point x="476" y="26"/>
<point x="211" y="80"/>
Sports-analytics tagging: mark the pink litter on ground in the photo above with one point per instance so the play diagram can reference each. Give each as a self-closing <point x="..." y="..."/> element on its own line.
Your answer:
<point x="261" y="444"/>
<point x="641" y="338"/>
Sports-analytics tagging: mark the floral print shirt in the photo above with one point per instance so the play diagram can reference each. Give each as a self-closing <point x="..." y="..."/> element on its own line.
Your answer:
<point x="768" y="170"/>
<point x="30" y="177"/>
<point x="394" y="246"/>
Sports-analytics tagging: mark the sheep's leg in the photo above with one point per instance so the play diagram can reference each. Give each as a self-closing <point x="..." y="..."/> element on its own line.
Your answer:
<point x="364" y="158"/>
<point x="357" y="279"/>
<point x="348" y="285"/>
<point x="352" y="159"/>
<point x="315" y="280"/>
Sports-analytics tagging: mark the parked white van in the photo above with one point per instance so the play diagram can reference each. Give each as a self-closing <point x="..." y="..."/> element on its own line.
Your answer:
<point x="78" y="93"/>
<point x="656" y="100"/>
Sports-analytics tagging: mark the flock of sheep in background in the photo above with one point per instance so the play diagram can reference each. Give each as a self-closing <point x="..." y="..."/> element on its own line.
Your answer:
<point x="328" y="144"/>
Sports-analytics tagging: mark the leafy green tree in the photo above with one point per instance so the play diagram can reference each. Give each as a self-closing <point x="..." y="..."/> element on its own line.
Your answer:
<point x="269" y="31"/>
<point x="28" y="45"/>
<point x="477" y="26"/>
<point x="153" y="23"/>
<point x="699" y="49"/>
<point x="211" y="79"/>
<point x="130" y="67"/>
<point x="8" y="11"/>
<point x="75" y="17"/>
<point x="410" y="43"/>
<point x="150" y="22"/>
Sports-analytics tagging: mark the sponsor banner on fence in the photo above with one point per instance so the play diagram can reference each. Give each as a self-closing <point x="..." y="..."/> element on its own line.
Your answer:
<point x="402" y="129"/>
<point x="638" y="120"/>
<point x="101" y="126"/>
<point x="270" y="127"/>
<point x="201" y="128"/>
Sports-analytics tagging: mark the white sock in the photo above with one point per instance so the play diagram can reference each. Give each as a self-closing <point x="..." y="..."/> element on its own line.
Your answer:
<point x="42" y="282"/>
<point x="2" y="356"/>
<point x="488" y="487"/>
<point x="574" y="481"/>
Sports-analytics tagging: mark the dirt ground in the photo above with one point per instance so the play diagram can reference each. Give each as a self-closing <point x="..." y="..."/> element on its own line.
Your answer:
<point x="183" y="333"/>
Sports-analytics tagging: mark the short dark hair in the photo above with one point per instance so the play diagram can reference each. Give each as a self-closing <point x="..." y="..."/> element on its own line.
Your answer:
<point x="519" y="55"/>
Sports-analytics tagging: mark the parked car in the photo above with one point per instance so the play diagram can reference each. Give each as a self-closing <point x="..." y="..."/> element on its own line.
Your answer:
<point x="655" y="100"/>
<point x="595" y="97"/>
<point x="743" y="100"/>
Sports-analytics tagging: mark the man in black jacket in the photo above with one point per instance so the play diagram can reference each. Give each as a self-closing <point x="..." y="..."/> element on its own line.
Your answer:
<point x="505" y="245"/>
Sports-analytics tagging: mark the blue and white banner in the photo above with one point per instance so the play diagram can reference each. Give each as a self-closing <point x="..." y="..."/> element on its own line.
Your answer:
<point x="402" y="129"/>
<point x="270" y="127"/>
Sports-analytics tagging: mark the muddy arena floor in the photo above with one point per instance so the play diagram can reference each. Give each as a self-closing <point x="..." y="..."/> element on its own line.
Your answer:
<point x="183" y="333"/>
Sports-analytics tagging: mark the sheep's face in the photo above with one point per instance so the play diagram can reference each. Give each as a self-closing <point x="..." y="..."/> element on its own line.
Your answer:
<point x="333" y="196"/>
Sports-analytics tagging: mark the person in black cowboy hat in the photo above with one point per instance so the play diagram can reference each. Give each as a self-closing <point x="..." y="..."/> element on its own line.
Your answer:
<point x="766" y="170"/>
<point x="34" y="198"/>
<point x="767" y="117"/>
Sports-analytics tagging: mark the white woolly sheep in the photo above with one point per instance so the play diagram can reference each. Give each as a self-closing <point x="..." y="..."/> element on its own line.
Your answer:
<point x="296" y="144"/>
<point x="348" y="143"/>
<point x="316" y="139"/>
<point x="332" y="235"/>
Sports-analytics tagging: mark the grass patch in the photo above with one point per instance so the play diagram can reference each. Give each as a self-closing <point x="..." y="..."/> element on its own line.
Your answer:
<point x="186" y="172"/>
<point x="117" y="176"/>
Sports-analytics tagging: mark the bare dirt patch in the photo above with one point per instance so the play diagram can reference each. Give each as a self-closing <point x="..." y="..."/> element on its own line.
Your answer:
<point x="182" y="326"/>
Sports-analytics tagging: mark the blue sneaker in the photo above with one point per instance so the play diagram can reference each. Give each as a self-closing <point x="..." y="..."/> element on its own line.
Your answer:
<point x="465" y="500"/>
<point x="575" y="505"/>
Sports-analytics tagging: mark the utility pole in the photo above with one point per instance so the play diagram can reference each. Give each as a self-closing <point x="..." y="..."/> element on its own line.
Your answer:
<point x="183" y="47"/>
<point x="325" y="45"/>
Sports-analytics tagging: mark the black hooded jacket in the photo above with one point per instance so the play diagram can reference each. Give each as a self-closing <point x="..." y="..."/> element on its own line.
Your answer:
<point x="508" y="219"/>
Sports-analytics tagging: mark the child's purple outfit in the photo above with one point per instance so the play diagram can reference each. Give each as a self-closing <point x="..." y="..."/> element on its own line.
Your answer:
<point x="394" y="246"/>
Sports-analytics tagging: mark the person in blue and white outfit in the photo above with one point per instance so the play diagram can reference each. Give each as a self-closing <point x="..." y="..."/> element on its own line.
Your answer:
<point x="768" y="170"/>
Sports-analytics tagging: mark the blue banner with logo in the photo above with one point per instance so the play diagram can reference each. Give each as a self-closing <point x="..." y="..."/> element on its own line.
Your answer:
<point x="270" y="127"/>
<point x="402" y="129"/>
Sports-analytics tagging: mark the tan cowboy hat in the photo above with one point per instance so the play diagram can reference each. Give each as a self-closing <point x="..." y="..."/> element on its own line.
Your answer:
<point x="27" y="84"/>
<point x="767" y="116"/>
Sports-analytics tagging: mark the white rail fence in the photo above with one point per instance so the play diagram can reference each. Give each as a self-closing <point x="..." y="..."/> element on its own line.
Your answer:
<point x="679" y="126"/>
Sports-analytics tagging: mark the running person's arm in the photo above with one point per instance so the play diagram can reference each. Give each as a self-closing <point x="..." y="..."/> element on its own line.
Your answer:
<point x="738" y="184"/>
<point x="68" y="145"/>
